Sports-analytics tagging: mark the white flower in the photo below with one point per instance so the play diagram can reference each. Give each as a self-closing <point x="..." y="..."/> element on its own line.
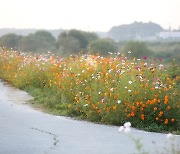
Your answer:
<point x="121" y="129"/>
<point x="127" y="124"/>
<point x="125" y="87"/>
<point x="111" y="89"/>
<point x="119" y="101"/>
<point x="126" y="128"/>
<point x="129" y="91"/>
<point x="86" y="105"/>
<point x="169" y="136"/>
<point x="130" y="82"/>
<point x="129" y="52"/>
<point x="118" y="53"/>
<point x="110" y="70"/>
<point x="156" y="87"/>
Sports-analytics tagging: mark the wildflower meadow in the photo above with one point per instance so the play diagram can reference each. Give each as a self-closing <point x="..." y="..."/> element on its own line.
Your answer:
<point x="110" y="90"/>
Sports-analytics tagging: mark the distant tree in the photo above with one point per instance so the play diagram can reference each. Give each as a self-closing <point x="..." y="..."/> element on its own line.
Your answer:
<point x="103" y="46"/>
<point x="41" y="41"/>
<point x="67" y="44"/>
<point x="79" y="35"/>
<point x="10" y="41"/>
<point x="45" y="36"/>
<point x="138" y="49"/>
<point x="74" y="41"/>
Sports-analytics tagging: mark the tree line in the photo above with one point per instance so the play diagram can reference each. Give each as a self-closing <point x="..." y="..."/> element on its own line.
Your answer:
<point x="68" y="42"/>
<point x="74" y="41"/>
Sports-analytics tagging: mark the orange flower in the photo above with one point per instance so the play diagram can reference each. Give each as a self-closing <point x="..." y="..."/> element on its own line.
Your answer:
<point x="154" y="100"/>
<point x="166" y="121"/>
<point x="133" y="108"/>
<point x="143" y="105"/>
<point x="156" y="95"/>
<point x="165" y="101"/>
<point x="114" y="107"/>
<point x="132" y="114"/>
<point x="168" y="107"/>
<point x="141" y="109"/>
<point x="98" y="111"/>
<point x="137" y="103"/>
<point x="166" y="97"/>
<point x="172" y="120"/>
<point x="148" y="102"/>
<point x="160" y="113"/>
<point x="129" y="115"/>
<point x="155" y="108"/>
<point x="157" y="118"/>
<point x="142" y="116"/>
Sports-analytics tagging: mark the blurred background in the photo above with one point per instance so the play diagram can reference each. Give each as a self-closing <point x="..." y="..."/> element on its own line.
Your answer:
<point x="65" y="27"/>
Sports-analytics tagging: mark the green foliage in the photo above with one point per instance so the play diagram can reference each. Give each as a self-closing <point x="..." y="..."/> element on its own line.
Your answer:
<point x="166" y="50"/>
<point x="74" y="41"/>
<point x="103" y="46"/>
<point x="10" y="41"/>
<point x="68" y="44"/>
<point x="138" y="49"/>
<point x="41" y="41"/>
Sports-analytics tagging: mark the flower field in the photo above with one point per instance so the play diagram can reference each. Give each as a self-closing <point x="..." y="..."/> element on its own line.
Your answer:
<point x="110" y="90"/>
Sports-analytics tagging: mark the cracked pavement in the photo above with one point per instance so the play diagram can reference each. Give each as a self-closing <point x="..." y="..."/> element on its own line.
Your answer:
<point x="24" y="130"/>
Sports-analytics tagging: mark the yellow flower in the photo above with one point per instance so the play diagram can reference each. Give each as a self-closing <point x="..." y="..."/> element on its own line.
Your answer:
<point x="69" y="105"/>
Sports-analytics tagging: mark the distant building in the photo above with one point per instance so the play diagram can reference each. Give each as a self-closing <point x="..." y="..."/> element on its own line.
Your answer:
<point x="169" y="34"/>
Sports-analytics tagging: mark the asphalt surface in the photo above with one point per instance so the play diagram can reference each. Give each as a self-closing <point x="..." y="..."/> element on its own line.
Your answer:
<point x="24" y="130"/>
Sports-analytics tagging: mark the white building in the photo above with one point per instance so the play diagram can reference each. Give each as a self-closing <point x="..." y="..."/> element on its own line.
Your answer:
<point x="170" y="34"/>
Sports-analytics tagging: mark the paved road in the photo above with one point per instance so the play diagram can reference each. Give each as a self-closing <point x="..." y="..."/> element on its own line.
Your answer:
<point x="24" y="130"/>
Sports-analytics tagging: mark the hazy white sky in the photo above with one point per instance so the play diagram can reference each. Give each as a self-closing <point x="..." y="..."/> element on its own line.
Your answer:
<point x="91" y="15"/>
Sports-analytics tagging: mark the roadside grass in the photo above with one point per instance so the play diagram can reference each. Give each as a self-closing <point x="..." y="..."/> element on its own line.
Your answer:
<point x="110" y="90"/>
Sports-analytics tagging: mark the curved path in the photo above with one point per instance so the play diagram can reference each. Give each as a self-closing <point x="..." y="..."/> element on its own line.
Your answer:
<point x="24" y="130"/>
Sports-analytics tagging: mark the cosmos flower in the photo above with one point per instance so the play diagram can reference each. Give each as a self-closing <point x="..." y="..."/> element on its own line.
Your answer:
<point x="130" y="82"/>
<point x="119" y="101"/>
<point x="129" y="90"/>
<point x="127" y="124"/>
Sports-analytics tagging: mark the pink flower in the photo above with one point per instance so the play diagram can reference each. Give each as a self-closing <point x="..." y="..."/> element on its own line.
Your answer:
<point x="144" y="57"/>
<point x="160" y="59"/>
<point x="103" y="100"/>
